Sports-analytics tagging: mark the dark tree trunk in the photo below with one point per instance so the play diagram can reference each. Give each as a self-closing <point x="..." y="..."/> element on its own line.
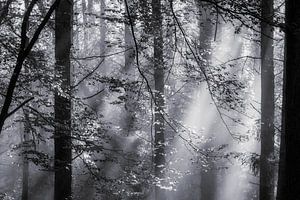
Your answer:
<point x="159" y="102"/>
<point x="62" y="135"/>
<point x="25" y="140"/>
<point x="25" y="147"/>
<point x="266" y="189"/>
<point x="289" y="169"/>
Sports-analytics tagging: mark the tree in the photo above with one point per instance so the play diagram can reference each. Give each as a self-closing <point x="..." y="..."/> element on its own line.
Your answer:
<point x="103" y="27"/>
<point x="128" y="71"/>
<point x="85" y="28"/>
<point x="25" y="141"/>
<point x="62" y="101"/>
<point x="289" y="174"/>
<point x="25" y="168"/>
<point x="25" y="49"/>
<point x="266" y="186"/>
<point x="159" y="101"/>
<point x="208" y="176"/>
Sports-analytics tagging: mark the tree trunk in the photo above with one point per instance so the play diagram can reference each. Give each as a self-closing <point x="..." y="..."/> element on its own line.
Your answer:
<point x="206" y="33"/>
<point x="62" y="135"/>
<point x="103" y="28"/>
<point x="289" y="169"/>
<point x="128" y="72"/>
<point x="91" y="18"/>
<point x="266" y="186"/>
<point x="129" y="44"/>
<point x="25" y="146"/>
<point x="208" y="176"/>
<point x="84" y="19"/>
<point x="159" y="141"/>
<point x="25" y="140"/>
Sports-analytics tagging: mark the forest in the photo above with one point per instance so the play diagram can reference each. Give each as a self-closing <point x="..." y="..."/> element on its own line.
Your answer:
<point x="149" y="99"/>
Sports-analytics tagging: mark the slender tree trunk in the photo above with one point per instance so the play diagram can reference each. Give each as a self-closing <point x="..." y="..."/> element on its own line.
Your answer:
<point x="103" y="28"/>
<point x="25" y="179"/>
<point x="62" y="135"/>
<point x="159" y="141"/>
<point x="266" y="186"/>
<point x="25" y="138"/>
<point x="85" y="22"/>
<point x="129" y="45"/>
<point x="289" y="169"/>
<point x="208" y="176"/>
<point x="91" y="18"/>
<point x="25" y="146"/>
<point x="128" y="72"/>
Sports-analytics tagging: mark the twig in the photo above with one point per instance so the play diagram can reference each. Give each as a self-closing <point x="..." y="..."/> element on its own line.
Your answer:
<point x="18" y="107"/>
<point x="217" y="21"/>
<point x="91" y="96"/>
<point x="88" y="74"/>
<point x="100" y="56"/>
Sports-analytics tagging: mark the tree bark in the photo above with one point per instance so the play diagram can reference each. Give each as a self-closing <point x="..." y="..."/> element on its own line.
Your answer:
<point x="159" y="102"/>
<point x="266" y="186"/>
<point x="289" y="169"/>
<point x="62" y="107"/>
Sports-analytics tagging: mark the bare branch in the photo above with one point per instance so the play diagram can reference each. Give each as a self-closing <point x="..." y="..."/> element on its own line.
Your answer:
<point x="18" y="107"/>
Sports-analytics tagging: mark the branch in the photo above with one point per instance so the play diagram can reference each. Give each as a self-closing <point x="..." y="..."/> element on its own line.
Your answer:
<point x="250" y="57"/>
<point x="41" y="27"/>
<point x="136" y="50"/>
<point x="93" y="95"/>
<point x="18" y="107"/>
<point x="197" y="59"/>
<point x="23" y="53"/>
<point x="88" y="74"/>
<point x="25" y="25"/>
<point x="162" y="112"/>
<point x="101" y="56"/>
